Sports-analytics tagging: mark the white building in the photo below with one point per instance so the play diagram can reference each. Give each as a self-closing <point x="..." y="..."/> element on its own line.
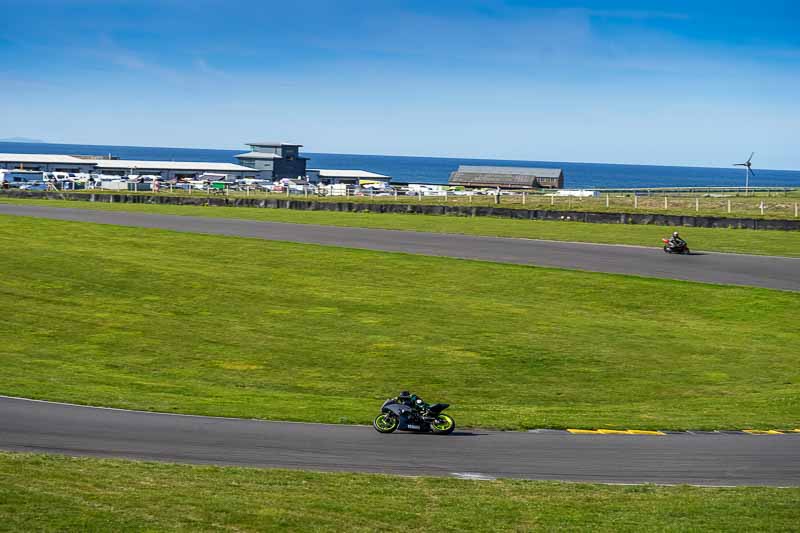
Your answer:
<point x="122" y="167"/>
<point x="171" y="169"/>
<point x="46" y="163"/>
<point x="267" y="160"/>
<point x="349" y="177"/>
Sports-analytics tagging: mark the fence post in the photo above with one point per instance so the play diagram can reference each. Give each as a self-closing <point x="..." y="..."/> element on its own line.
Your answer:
<point x="635" y="200"/>
<point x="287" y="191"/>
<point x="524" y="197"/>
<point x="419" y="196"/>
<point x="395" y="194"/>
<point x="445" y="196"/>
<point x="761" y="206"/>
<point x="607" y="200"/>
<point x="729" y="207"/>
<point x="552" y="199"/>
<point x="795" y="210"/>
<point x="496" y="199"/>
<point x="470" y="198"/>
<point x="697" y="205"/>
<point x="305" y="191"/>
<point x="666" y="204"/>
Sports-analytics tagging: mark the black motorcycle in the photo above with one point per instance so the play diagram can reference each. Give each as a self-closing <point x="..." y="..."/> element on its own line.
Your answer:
<point x="680" y="248"/>
<point x="396" y="415"/>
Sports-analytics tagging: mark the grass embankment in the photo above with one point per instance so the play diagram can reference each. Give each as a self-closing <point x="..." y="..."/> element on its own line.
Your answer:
<point x="53" y="493"/>
<point x="777" y="205"/>
<point x="164" y="321"/>
<point x="785" y="243"/>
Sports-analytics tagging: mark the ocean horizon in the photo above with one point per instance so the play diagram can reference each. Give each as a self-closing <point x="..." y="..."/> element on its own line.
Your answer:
<point x="436" y="170"/>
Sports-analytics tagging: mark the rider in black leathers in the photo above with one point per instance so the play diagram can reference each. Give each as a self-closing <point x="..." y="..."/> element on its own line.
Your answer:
<point x="675" y="241"/>
<point x="413" y="401"/>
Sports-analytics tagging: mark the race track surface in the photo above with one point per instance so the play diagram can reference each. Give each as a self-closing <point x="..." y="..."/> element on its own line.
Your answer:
<point x="702" y="459"/>
<point x="758" y="271"/>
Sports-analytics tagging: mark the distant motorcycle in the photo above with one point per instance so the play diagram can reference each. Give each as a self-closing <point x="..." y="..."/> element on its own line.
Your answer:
<point x="680" y="248"/>
<point x="396" y="415"/>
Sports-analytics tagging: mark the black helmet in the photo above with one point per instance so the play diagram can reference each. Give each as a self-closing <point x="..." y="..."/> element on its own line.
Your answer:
<point x="405" y="394"/>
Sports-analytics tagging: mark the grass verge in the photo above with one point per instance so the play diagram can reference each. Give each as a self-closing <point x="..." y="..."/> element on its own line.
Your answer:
<point x="761" y="242"/>
<point x="53" y="493"/>
<point x="176" y="322"/>
<point x="776" y="205"/>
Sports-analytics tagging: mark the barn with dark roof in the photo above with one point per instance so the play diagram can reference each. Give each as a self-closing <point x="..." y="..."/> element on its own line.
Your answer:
<point x="508" y="177"/>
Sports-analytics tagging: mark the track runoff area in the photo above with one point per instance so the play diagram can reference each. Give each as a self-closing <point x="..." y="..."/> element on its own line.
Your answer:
<point x="747" y="457"/>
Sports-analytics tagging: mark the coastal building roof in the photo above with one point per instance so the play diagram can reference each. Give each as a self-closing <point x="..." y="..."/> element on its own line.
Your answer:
<point x="507" y="177"/>
<point x="336" y="173"/>
<point x="270" y="143"/>
<point x="515" y="171"/>
<point x="257" y="155"/>
<point x="125" y="164"/>
<point x="42" y="158"/>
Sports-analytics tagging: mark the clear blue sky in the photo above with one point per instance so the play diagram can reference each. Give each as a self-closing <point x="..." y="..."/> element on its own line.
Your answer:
<point x="680" y="82"/>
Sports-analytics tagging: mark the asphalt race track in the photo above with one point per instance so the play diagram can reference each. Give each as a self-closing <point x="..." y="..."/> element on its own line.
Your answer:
<point x="702" y="459"/>
<point x="737" y="269"/>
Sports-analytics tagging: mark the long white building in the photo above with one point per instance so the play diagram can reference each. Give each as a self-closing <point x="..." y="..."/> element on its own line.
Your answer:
<point x="122" y="167"/>
<point x="46" y="163"/>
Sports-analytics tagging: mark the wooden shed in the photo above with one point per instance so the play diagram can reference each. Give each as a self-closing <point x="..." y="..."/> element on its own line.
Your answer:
<point x="508" y="177"/>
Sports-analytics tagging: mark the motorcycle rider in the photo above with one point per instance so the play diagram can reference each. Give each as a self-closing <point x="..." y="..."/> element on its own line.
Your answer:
<point x="413" y="401"/>
<point x="675" y="241"/>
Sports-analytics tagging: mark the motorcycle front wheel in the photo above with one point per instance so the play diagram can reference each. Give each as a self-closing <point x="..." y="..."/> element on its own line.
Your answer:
<point x="385" y="423"/>
<point x="443" y="425"/>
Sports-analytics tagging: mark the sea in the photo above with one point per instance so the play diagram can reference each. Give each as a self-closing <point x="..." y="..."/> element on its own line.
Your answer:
<point x="436" y="170"/>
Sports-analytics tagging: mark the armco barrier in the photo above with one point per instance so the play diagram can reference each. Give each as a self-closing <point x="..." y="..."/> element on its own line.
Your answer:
<point x="454" y="210"/>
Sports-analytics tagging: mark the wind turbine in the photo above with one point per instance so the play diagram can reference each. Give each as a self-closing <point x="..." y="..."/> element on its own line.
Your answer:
<point x="748" y="172"/>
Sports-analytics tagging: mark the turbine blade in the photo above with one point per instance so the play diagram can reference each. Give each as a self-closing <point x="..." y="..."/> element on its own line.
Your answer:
<point x="751" y="171"/>
<point x="751" y="157"/>
<point x="739" y="164"/>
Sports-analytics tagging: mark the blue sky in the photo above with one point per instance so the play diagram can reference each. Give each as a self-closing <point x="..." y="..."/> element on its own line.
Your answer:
<point x="680" y="82"/>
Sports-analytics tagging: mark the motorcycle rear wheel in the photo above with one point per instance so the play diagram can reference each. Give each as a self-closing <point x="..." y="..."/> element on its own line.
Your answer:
<point x="444" y="426"/>
<point x="385" y="423"/>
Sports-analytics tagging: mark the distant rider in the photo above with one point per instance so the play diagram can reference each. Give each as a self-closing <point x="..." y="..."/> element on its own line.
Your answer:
<point x="675" y="241"/>
<point x="413" y="401"/>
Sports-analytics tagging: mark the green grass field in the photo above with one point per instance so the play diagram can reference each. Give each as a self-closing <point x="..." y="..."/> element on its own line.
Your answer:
<point x="174" y="322"/>
<point x="54" y="493"/>
<point x="783" y="243"/>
